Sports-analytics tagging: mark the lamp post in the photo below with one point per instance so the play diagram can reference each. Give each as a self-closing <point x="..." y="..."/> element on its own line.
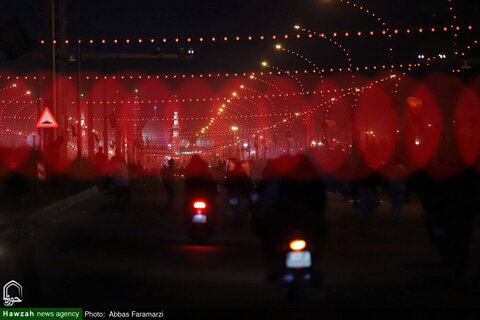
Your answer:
<point x="73" y="59"/>
<point x="235" y="130"/>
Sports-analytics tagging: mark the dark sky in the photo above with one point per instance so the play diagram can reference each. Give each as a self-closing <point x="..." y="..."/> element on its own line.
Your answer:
<point x="98" y="19"/>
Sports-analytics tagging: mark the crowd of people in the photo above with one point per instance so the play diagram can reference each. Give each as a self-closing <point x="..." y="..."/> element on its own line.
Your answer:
<point x="291" y="192"/>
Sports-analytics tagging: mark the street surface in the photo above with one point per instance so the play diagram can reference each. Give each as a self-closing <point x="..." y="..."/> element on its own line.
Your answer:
<point x="91" y="258"/>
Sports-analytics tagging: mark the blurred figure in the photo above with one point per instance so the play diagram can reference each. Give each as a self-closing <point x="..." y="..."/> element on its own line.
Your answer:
<point x="238" y="181"/>
<point x="167" y="174"/>
<point x="239" y="188"/>
<point x="120" y="182"/>
<point x="292" y="198"/>
<point x="141" y="172"/>
<point x="199" y="183"/>
<point x="100" y="161"/>
<point x="450" y="204"/>
<point x="396" y="174"/>
<point x="220" y="172"/>
<point x="367" y="195"/>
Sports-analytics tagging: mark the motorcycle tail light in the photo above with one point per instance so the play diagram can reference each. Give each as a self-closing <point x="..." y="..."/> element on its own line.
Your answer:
<point x="297" y="244"/>
<point x="200" y="204"/>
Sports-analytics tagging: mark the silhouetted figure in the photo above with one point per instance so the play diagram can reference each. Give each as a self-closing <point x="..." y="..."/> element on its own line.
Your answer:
<point x="292" y="197"/>
<point x="167" y="174"/>
<point x="367" y="195"/>
<point x="239" y="188"/>
<point x="396" y="187"/>
<point x="199" y="183"/>
<point x="141" y="172"/>
<point x="120" y="182"/>
<point x="238" y="181"/>
<point x="220" y="172"/>
<point x="100" y="161"/>
<point x="450" y="205"/>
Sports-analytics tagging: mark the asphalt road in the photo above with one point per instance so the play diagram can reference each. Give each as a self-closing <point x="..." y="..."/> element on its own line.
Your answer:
<point x="90" y="258"/>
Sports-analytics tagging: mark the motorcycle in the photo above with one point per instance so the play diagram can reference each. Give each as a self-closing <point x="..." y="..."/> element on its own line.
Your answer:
<point x="298" y="267"/>
<point x="199" y="220"/>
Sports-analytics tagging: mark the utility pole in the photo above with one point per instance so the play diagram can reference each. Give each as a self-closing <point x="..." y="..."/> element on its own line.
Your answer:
<point x="54" y="62"/>
<point x="79" y="111"/>
<point x="90" y="148"/>
<point x="106" y="145"/>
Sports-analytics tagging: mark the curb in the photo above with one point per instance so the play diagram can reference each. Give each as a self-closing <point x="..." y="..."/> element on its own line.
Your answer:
<point x="16" y="233"/>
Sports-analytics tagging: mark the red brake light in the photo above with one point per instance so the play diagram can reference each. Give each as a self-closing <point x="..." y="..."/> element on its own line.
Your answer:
<point x="199" y="205"/>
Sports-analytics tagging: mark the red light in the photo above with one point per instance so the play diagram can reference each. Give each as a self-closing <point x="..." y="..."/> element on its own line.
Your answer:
<point x="200" y="204"/>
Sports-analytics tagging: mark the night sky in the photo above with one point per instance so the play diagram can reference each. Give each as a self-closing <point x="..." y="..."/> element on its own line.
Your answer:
<point x="122" y="19"/>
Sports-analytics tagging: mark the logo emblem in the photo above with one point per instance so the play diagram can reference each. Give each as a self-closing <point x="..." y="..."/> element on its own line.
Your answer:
<point x="10" y="295"/>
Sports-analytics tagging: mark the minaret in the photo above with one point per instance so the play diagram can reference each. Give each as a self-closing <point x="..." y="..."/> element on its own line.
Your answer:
<point x="136" y="144"/>
<point x="175" y="134"/>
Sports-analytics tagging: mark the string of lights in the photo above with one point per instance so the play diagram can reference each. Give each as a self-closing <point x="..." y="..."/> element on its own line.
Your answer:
<point x="293" y="116"/>
<point x="300" y="84"/>
<point x="275" y="87"/>
<point x="369" y="12"/>
<point x="228" y="75"/>
<point x="30" y="121"/>
<point x="260" y="37"/>
<point x="5" y="104"/>
<point x="13" y="85"/>
<point x="221" y="109"/>
<point x="222" y="133"/>
<point x="223" y="99"/>
<point x="222" y="122"/>
<point x="272" y="103"/>
<point x="451" y="8"/>
<point x="25" y="106"/>
<point x="366" y="11"/>
<point x="344" y="52"/>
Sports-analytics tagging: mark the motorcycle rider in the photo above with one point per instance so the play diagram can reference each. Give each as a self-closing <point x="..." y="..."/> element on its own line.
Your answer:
<point x="292" y="198"/>
<point x="239" y="187"/>
<point x="199" y="183"/>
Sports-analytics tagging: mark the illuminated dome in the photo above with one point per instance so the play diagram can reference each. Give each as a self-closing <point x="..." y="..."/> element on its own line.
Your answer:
<point x="184" y="143"/>
<point x="156" y="133"/>
<point x="204" y="142"/>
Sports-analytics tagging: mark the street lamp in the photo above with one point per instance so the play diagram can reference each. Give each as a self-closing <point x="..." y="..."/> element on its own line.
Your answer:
<point x="71" y="60"/>
<point x="235" y="130"/>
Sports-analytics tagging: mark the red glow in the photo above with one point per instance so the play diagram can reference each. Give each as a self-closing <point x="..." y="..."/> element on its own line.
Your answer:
<point x="467" y="130"/>
<point x="423" y="126"/>
<point x="331" y="144"/>
<point x="377" y="122"/>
